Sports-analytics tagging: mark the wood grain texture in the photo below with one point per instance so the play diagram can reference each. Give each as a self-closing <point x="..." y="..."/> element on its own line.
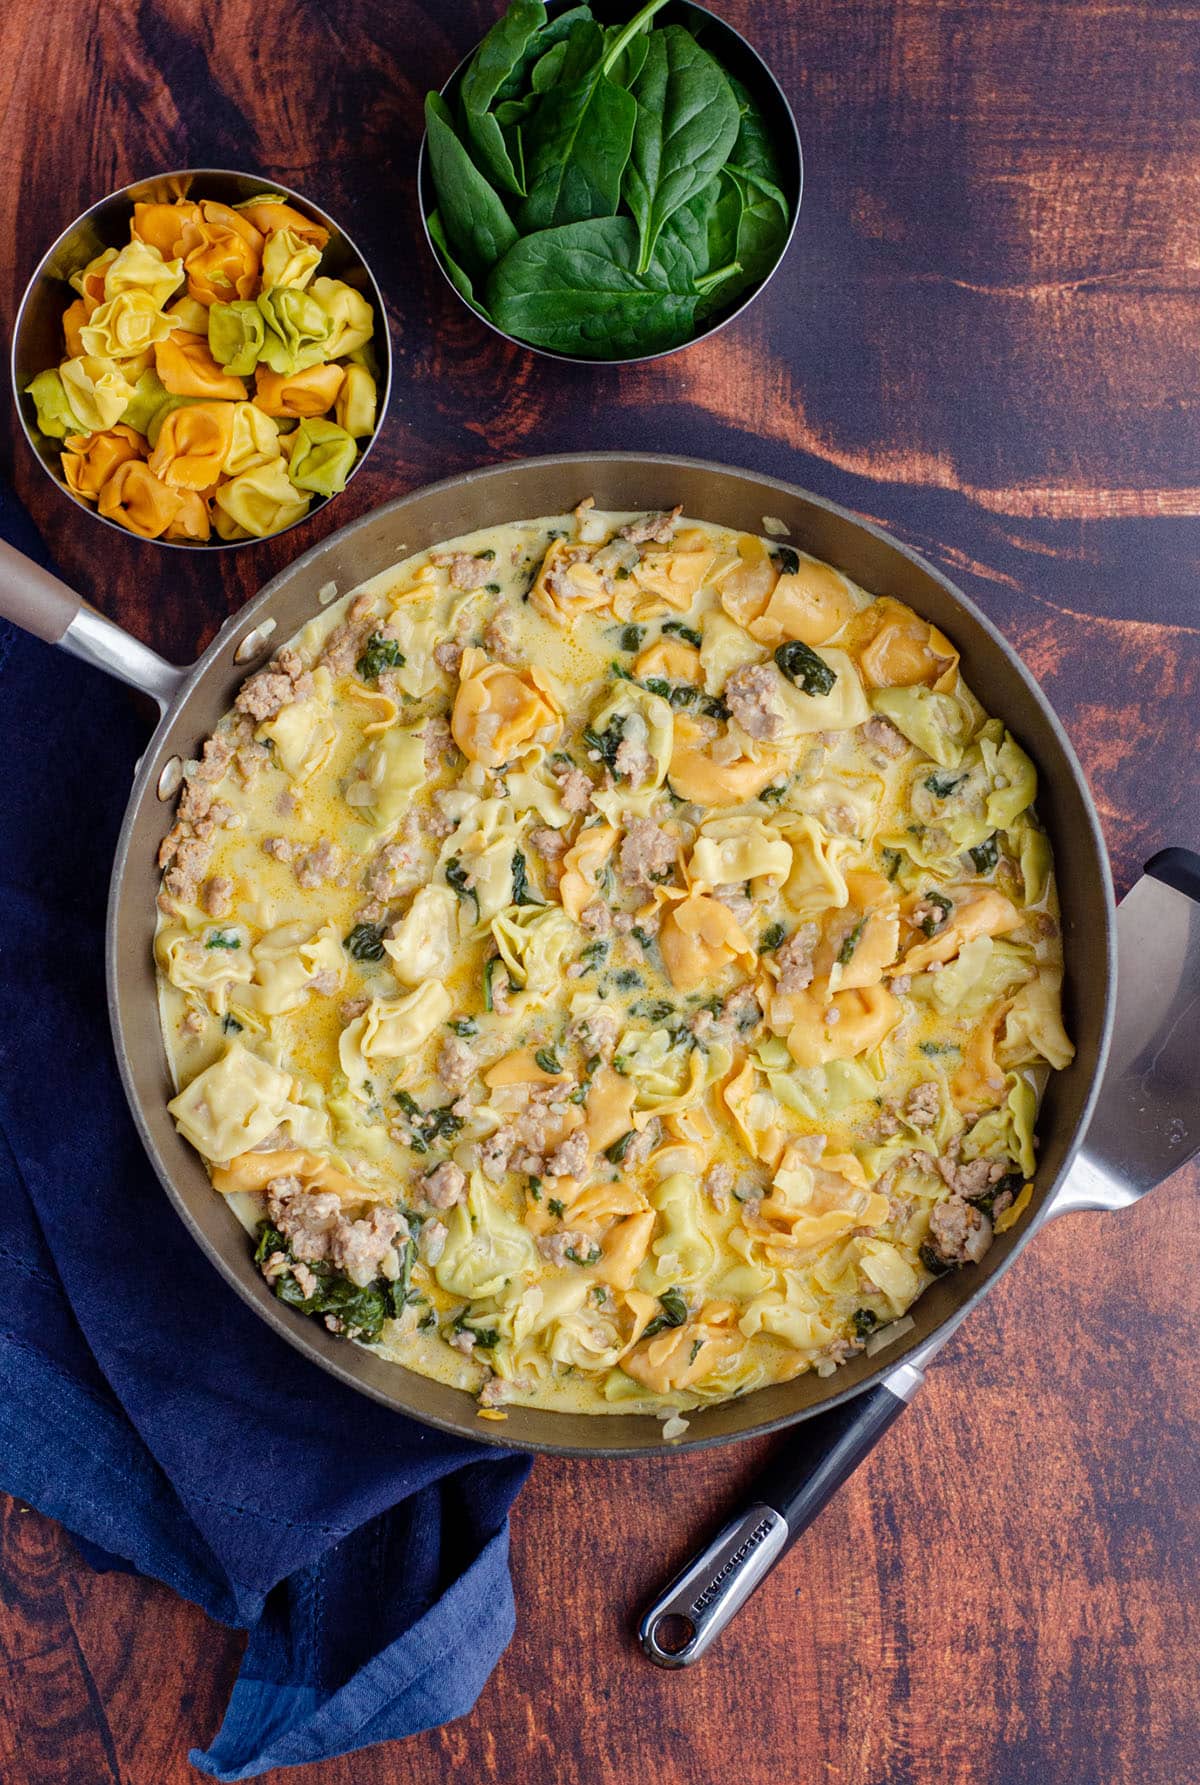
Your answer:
<point x="984" y="338"/>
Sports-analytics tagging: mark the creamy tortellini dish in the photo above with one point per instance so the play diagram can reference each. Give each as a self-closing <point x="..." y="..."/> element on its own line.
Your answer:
<point x="612" y="963"/>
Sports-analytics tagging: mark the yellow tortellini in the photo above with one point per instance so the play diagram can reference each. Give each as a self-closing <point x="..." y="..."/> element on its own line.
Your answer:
<point x="263" y="500"/>
<point x="391" y="772"/>
<point x="124" y="327"/>
<point x="288" y="260"/>
<point x="739" y="848"/>
<point x="351" y="320"/>
<point x="422" y="945"/>
<point x="237" y="1102"/>
<point x="303" y="733"/>
<point x="140" y="267"/>
<point x="96" y="389"/>
<point x="392" y="1028"/>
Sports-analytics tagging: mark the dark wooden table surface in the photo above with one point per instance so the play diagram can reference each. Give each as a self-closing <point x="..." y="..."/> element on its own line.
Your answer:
<point x="986" y="337"/>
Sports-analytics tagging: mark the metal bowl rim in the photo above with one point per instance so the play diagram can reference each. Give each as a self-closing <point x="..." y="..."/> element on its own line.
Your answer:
<point x="119" y="194"/>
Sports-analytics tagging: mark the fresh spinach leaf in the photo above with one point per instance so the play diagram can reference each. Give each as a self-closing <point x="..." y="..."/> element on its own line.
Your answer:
<point x="458" y="278"/>
<point x="501" y="52"/>
<point x="524" y="75"/>
<point x="629" y="57"/>
<point x="687" y="124"/>
<point x="576" y="290"/>
<point x="754" y="159"/>
<point x="578" y="139"/>
<point x="478" y="227"/>
<point x="520" y="879"/>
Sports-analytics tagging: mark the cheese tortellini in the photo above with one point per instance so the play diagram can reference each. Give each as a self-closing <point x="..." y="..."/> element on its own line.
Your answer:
<point x="192" y="348"/>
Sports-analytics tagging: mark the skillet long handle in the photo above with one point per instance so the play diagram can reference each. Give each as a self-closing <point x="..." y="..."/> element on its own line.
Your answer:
<point x="1147" y="1124"/>
<point x="34" y="599"/>
<point x="690" y="1613"/>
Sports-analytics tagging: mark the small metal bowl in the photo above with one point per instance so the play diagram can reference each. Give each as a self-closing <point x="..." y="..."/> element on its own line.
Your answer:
<point x="38" y="335"/>
<point x="743" y="61"/>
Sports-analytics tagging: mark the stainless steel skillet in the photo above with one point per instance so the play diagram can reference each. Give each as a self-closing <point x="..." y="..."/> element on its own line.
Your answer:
<point x="846" y="1418"/>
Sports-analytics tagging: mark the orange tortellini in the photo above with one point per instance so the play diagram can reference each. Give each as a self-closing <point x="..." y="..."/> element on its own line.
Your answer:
<point x="698" y="939"/>
<point x="193" y="445"/>
<point x="501" y="713"/>
<point x="90" y="459"/>
<point x="188" y="369"/>
<point x="192" y="348"/>
<point x="136" y="499"/>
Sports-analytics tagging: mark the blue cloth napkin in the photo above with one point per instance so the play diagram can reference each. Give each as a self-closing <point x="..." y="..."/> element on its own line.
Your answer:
<point x="141" y="1403"/>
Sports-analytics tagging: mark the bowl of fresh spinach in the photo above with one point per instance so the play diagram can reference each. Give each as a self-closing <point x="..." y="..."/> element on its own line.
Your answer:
<point x="608" y="183"/>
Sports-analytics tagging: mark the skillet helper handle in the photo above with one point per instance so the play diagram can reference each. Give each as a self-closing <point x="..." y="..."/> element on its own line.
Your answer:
<point x="686" y="1618"/>
<point x="35" y="600"/>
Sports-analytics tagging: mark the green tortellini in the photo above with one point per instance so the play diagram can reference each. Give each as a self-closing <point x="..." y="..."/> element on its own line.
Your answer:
<point x="297" y="330"/>
<point x="1008" y="1131"/>
<point x="321" y="456"/>
<point x="1014" y="781"/>
<point x="1033" y="1028"/>
<point x="55" y="416"/>
<point x="1032" y="849"/>
<point x="536" y="946"/>
<point x="682" y="1250"/>
<point x="485" y="1247"/>
<point x="149" y="394"/>
<point x="237" y="333"/>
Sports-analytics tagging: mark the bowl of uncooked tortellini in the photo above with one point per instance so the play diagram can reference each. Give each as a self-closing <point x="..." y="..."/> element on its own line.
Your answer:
<point x="202" y="359"/>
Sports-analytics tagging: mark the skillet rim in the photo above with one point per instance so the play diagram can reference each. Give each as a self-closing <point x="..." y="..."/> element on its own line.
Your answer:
<point x="298" y="1330"/>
